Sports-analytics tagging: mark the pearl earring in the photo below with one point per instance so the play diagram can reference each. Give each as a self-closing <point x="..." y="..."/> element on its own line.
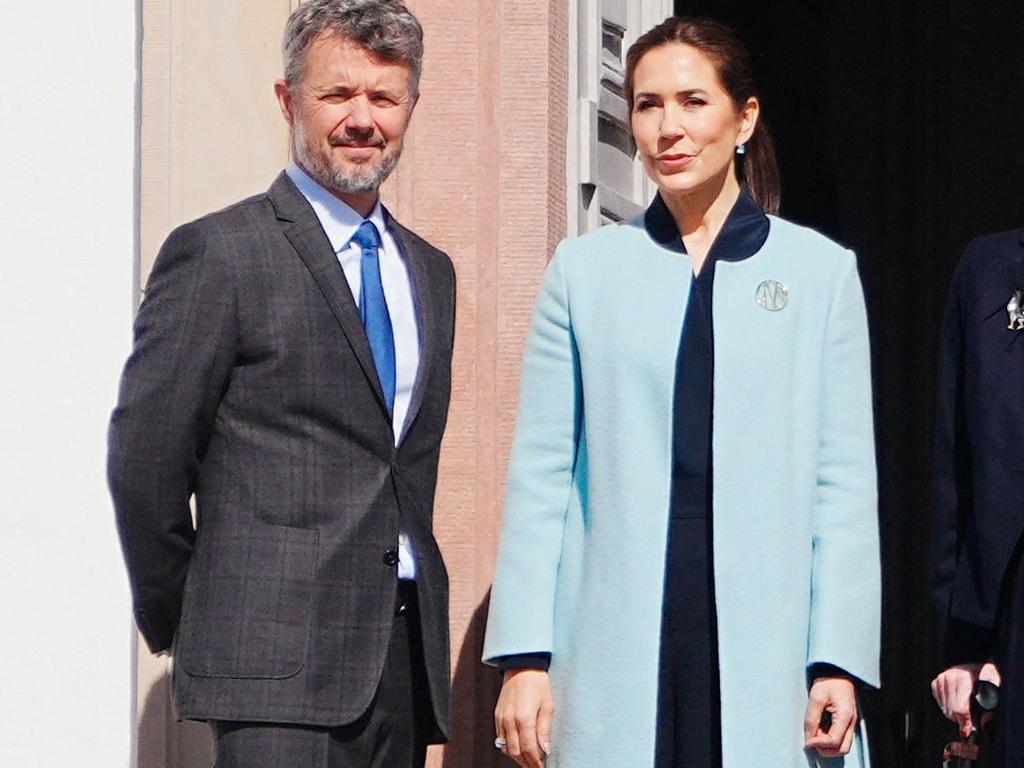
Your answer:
<point x="741" y="149"/>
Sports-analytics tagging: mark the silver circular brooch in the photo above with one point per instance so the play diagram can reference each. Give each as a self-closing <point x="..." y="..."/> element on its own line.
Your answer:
<point x="772" y="295"/>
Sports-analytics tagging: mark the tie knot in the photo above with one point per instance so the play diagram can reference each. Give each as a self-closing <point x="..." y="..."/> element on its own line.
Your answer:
<point x="367" y="236"/>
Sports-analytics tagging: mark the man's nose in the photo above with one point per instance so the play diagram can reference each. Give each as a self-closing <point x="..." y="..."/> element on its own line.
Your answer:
<point x="359" y="116"/>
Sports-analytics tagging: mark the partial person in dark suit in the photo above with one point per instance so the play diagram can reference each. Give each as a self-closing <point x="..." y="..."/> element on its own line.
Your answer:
<point x="292" y="369"/>
<point x="978" y="582"/>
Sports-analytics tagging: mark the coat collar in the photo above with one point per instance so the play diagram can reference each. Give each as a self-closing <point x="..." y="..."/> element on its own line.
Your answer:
<point x="339" y="220"/>
<point x="303" y="230"/>
<point x="742" y="235"/>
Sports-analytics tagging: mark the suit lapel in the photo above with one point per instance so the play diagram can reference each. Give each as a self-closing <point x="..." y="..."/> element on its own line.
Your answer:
<point x="426" y="311"/>
<point x="302" y="228"/>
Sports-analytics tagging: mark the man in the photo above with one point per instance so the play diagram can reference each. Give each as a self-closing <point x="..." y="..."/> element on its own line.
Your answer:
<point x="291" y="368"/>
<point x="979" y="493"/>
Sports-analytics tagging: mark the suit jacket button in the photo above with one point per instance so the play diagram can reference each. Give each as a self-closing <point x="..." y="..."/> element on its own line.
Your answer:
<point x="391" y="558"/>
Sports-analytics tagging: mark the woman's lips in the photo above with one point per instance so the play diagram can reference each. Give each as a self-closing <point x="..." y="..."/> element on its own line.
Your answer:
<point x="674" y="162"/>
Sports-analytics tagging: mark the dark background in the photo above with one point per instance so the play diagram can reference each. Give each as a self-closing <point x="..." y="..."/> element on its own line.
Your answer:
<point x="898" y="128"/>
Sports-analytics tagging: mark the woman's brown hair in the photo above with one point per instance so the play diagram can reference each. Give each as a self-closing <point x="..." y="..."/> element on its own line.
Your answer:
<point x="731" y="60"/>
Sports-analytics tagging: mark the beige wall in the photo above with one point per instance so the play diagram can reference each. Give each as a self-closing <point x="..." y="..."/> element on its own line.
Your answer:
<point x="211" y="130"/>
<point x="483" y="177"/>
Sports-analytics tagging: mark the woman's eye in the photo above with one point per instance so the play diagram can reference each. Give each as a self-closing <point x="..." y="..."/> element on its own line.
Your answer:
<point x="642" y="105"/>
<point x="694" y="102"/>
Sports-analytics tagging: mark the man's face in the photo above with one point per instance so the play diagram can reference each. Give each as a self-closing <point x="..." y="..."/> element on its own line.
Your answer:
<point x="348" y="115"/>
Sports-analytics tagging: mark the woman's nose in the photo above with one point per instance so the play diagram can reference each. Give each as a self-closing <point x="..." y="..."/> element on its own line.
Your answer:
<point x="671" y="122"/>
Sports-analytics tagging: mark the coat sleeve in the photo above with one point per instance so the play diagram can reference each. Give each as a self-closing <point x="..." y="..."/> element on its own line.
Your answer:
<point x="171" y="386"/>
<point x="952" y="500"/>
<point x="845" y="620"/>
<point x="521" y="612"/>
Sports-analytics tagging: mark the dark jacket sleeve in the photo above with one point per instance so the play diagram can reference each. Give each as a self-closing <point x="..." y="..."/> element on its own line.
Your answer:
<point x="170" y="389"/>
<point x="823" y="669"/>
<point x="958" y="642"/>
<point x="523" y="661"/>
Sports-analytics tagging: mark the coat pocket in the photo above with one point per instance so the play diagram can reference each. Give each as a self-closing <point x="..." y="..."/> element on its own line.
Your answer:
<point x="248" y="603"/>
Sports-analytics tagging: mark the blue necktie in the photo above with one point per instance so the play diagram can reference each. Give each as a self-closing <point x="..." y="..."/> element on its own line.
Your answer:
<point x="374" y="310"/>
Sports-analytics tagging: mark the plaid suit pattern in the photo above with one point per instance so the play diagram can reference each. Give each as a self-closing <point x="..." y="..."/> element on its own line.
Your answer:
<point x="251" y="384"/>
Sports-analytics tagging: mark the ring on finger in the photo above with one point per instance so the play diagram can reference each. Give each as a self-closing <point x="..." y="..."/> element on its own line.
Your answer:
<point x="500" y="743"/>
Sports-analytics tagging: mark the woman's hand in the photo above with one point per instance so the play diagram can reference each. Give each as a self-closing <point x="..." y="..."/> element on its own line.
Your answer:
<point x="835" y="696"/>
<point x="953" y="690"/>
<point x="523" y="716"/>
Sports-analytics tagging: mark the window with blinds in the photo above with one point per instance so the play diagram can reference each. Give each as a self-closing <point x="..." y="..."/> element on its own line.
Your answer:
<point x="606" y="181"/>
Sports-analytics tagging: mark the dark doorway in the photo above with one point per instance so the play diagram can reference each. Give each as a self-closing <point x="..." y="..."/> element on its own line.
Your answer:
<point x="898" y="130"/>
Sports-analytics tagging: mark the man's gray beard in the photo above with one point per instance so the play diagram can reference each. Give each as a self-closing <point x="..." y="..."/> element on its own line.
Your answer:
<point x="357" y="179"/>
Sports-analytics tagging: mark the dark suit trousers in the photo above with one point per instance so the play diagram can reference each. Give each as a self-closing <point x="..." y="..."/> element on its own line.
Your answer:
<point x="393" y="733"/>
<point x="1002" y="743"/>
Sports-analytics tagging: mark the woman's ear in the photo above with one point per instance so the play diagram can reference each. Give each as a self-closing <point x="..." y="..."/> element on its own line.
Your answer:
<point x="748" y="120"/>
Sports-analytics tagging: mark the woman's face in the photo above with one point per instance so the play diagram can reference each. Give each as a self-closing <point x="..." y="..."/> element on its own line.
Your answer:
<point x="685" y="125"/>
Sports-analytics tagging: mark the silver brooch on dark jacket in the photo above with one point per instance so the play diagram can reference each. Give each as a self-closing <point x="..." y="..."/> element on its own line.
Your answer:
<point x="1016" y="311"/>
<point x="772" y="295"/>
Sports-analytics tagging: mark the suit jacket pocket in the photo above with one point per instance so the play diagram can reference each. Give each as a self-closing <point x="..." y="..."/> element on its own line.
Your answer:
<point x="247" y="603"/>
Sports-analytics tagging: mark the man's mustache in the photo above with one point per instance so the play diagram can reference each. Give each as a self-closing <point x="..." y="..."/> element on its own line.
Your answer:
<point x="353" y="140"/>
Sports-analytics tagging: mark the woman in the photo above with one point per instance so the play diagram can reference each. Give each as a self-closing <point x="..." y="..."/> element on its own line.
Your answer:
<point x="704" y="360"/>
<point x="978" y="513"/>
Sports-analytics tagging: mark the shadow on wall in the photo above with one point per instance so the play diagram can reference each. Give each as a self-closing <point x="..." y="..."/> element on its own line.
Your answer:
<point x="165" y="742"/>
<point x="474" y="692"/>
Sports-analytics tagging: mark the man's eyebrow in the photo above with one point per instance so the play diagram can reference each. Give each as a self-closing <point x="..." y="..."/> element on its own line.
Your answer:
<point x="334" y="88"/>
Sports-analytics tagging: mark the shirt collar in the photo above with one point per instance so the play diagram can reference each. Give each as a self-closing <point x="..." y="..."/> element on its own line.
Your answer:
<point x="339" y="220"/>
<point x="743" y="233"/>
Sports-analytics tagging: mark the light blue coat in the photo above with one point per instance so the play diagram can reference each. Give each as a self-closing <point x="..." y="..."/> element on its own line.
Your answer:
<point x="796" y="554"/>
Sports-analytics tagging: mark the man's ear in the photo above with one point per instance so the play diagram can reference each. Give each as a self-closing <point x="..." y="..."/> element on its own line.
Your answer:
<point x="284" y="99"/>
<point x="412" y="106"/>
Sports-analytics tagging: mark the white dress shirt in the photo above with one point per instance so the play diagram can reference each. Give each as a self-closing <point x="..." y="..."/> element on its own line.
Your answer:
<point x="340" y="223"/>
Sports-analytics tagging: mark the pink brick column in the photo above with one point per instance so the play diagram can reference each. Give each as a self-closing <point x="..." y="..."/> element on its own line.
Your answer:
<point x="483" y="177"/>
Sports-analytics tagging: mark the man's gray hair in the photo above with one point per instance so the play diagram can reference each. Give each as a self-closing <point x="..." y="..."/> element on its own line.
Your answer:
<point x="386" y="28"/>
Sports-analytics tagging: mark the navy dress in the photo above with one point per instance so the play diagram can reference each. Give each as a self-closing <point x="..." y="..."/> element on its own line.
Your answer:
<point x="688" y="726"/>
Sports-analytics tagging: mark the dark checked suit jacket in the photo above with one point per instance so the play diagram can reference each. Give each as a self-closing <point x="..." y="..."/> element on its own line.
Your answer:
<point x="251" y="384"/>
<point x="978" y="513"/>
